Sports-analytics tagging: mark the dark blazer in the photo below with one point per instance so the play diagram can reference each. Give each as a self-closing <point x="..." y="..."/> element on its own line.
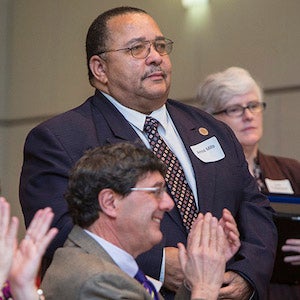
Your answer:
<point x="53" y="147"/>
<point x="83" y="270"/>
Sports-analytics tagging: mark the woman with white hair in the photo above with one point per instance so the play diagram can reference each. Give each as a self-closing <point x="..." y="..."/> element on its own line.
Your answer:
<point x="234" y="97"/>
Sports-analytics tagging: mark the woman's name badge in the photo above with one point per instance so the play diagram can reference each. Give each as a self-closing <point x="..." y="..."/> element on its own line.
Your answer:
<point x="209" y="150"/>
<point x="279" y="186"/>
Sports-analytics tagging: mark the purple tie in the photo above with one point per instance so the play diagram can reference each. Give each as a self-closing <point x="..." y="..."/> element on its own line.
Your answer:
<point x="175" y="178"/>
<point x="140" y="277"/>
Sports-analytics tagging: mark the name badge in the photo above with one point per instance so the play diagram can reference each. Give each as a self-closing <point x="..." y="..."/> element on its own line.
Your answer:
<point x="209" y="150"/>
<point x="279" y="186"/>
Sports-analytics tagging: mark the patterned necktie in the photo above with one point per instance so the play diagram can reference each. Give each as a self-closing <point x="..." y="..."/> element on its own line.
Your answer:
<point x="147" y="284"/>
<point x="175" y="178"/>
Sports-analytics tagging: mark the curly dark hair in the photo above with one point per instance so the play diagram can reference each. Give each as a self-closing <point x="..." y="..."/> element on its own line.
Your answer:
<point x="98" y="33"/>
<point x="118" y="167"/>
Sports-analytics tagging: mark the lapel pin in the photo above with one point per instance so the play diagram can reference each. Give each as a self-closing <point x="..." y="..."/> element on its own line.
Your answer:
<point x="203" y="131"/>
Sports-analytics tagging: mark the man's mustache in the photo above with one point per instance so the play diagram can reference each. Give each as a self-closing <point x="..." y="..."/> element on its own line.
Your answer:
<point x="153" y="70"/>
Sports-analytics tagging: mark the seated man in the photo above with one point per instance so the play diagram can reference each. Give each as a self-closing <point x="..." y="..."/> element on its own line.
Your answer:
<point x="117" y="199"/>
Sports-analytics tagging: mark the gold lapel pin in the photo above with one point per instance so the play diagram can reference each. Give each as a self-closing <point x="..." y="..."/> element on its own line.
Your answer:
<point x="203" y="131"/>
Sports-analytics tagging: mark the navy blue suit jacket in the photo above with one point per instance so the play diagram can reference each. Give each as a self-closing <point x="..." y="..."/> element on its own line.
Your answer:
<point x="54" y="146"/>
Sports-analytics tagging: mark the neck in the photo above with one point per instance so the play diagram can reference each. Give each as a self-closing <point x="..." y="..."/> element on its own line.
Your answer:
<point x="250" y="154"/>
<point x="106" y="229"/>
<point x="142" y="104"/>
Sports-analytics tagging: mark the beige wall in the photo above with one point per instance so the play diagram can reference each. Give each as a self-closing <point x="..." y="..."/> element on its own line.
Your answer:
<point x="43" y="72"/>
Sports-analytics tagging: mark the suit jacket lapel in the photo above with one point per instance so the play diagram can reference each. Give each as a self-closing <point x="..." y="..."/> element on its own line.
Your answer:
<point x="106" y="115"/>
<point x="84" y="241"/>
<point x="190" y="135"/>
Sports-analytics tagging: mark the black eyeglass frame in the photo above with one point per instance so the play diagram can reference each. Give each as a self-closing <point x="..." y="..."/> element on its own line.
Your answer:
<point x="155" y="42"/>
<point x="252" y="106"/>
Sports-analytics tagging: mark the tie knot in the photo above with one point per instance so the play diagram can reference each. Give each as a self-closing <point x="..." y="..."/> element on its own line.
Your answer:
<point x="150" y="124"/>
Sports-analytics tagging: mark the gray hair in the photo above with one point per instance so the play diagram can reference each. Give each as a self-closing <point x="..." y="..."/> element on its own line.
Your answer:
<point x="218" y="88"/>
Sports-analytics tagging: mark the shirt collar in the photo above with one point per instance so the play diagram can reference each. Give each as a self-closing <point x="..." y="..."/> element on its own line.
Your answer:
<point x="136" y="118"/>
<point x="124" y="260"/>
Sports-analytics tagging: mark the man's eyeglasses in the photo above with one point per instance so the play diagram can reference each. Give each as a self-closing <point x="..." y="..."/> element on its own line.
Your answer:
<point x="238" y="110"/>
<point x="157" y="192"/>
<point x="141" y="49"/>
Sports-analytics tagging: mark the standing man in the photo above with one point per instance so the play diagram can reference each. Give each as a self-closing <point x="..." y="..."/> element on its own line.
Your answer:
<point x="129" y="66"/>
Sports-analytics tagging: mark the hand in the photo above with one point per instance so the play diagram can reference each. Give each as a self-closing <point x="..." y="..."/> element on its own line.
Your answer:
<point x="8" y="239"/>
<point x="232" y="234"/>
<point x="173" y="272"/>
<point x="294" y="246"/>
<point x="203" y="261"/>
<point x="236" y="287"/>
<point x="28" y="255"/>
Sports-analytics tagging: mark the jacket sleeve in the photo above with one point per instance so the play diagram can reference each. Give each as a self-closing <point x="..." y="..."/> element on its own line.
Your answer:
<point x="43" y="181"/>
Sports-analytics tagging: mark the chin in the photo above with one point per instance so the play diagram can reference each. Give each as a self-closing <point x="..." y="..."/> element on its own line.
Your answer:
<point x="158" y="91"/>
<point x="155" y="239"/>
<point x="249" y="140"/>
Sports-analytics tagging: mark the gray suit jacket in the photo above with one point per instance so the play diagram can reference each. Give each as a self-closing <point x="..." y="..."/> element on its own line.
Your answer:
<point x="82" y="269"/>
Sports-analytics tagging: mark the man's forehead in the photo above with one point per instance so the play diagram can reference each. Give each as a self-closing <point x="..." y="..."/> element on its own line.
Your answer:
<point x="129" y="17"/>
<point x="133" y="23"/>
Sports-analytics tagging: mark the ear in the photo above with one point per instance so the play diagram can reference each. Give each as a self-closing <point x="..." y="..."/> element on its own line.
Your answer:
<point x="107" y="199"/>
<point x="98" y="68"/>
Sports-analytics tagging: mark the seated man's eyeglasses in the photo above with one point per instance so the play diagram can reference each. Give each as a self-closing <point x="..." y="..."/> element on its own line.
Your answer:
<point x="141" y="49"/>
<point x="238" y="110"/>
<point x="158" y="192"/>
